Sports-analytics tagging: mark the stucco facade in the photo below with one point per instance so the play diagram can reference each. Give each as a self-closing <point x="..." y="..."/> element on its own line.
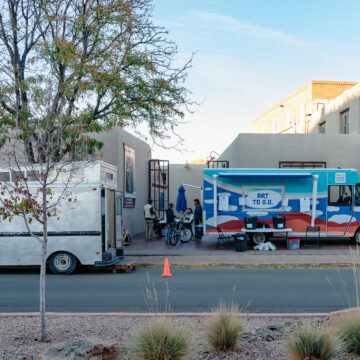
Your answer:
<point x="191" y="174"/>
<point x="266" y="150"/>
<point x="113" y="153"/>
<point x="340" y="115"/>
<point x="292" y="114"/>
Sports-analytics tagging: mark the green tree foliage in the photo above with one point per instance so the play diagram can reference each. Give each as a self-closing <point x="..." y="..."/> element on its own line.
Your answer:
<point x="73" y="67"/>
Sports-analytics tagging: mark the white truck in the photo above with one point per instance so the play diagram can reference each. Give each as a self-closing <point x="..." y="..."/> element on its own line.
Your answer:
<point x="88" y="231"/>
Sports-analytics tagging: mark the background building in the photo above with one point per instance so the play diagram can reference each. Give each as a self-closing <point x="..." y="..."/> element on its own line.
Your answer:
<point x="292" y="114"/>
<point x="340" y="116"/>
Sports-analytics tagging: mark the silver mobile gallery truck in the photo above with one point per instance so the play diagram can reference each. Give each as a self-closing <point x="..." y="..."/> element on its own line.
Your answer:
<point x="88" y="231"/>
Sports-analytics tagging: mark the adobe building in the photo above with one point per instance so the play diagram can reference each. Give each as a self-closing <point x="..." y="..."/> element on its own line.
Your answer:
<point x="339" y="116"/>
<point x="293" y="150"/>
<point x="131" y="155"/>
<point x="292" y="114"/>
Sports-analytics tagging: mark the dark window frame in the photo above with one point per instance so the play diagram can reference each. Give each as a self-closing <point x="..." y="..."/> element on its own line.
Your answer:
<point x="341" y="193"/>
<point x="343" y="129"/>
<point x="302" y="164"/>
<point x="322" y="127"/>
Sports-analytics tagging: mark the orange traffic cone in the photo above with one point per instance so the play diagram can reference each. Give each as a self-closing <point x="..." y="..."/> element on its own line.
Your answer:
<point x="166" y="268"/>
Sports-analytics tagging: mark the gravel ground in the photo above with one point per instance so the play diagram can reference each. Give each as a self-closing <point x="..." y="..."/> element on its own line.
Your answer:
<point x="262" y="339"/>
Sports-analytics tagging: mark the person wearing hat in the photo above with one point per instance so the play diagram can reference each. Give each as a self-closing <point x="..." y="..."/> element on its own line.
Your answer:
<point x="150" y="215"/>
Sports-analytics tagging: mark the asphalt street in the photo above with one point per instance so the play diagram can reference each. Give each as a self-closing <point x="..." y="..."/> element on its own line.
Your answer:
<point x="255" y="290"/>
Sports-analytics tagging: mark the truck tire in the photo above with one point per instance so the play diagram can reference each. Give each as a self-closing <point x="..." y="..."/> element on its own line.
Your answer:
<point x="62" y="263"/>
<point x="259" y="238"/>
<point x="357" y="237"/>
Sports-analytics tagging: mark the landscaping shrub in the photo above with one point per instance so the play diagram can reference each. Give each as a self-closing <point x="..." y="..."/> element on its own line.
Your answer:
<point x="224" y="328"/>
<point x="313" y="343"/>
<point x="160" y="340"/>
<point x="349" y="333"/>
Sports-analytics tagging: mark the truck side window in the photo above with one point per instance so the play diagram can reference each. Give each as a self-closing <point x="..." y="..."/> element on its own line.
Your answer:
<point x="357" y="194"/>
<point x="340" y="195"/>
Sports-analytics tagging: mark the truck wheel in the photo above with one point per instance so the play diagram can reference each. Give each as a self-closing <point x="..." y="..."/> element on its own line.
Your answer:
<point x="62" y="263"/>
<point x="259" y="238"/>
<point x="357" y="237"/>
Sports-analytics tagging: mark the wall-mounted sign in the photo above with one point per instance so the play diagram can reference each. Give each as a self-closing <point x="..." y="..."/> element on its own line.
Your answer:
<point x="129" y="176"/>
<point x="264" y="199"/>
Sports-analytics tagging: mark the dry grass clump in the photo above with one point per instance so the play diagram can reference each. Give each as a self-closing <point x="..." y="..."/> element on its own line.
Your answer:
<point x="349" y="333"/>
<point x="160" y="340"/>
<point x="224" y="328"/>
<point x="312" y="343"/>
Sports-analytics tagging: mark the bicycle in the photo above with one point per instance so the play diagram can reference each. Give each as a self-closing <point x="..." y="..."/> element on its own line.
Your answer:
<point x="180" y="232"/>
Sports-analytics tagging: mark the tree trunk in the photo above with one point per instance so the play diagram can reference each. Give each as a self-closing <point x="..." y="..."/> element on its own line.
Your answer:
<point x="43" y="275"/>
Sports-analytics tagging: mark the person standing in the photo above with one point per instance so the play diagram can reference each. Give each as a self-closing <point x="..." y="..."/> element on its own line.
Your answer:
<point x="197" y="212"/>
<point x="198" y="219"/>
<point x="170" y="218"/>
<point x="150" y="216"/>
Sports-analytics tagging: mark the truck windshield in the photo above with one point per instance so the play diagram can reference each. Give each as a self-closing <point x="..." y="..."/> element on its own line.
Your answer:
<point x="357" y="194"/>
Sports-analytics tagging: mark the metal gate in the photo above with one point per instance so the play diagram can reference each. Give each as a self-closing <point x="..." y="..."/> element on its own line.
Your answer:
<point x="159" y="185"/>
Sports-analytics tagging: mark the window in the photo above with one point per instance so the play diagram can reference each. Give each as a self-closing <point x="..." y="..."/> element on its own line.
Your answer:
<point x="322" y="127"/>
<point x="118" y="206"/>
<point x="319" y="106"/>
<point x="302" y="164"/>
<point x="275" y="126"/>
<point x="357" y="194"/>
<point x="290" y="123"/>
<point x="33" y="175"/>
<point x="4" y="176"/>
<point x="109" y="177"/>
<point x="340" y="195"/>
<point x="344" y="122"/>
<point x="17" y="175"/>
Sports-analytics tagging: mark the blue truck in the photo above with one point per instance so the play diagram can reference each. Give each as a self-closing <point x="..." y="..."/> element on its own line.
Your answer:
<point x="327" y="198"/>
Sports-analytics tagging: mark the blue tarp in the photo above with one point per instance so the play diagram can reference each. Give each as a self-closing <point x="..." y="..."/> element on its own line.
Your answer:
<point x="181" y="204"/>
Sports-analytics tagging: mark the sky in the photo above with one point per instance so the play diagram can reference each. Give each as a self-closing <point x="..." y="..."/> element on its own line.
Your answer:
<point x="251" y="54"/>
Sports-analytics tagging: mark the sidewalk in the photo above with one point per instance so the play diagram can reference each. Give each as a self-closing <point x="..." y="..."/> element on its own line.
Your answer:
<point x="332" y="253"/>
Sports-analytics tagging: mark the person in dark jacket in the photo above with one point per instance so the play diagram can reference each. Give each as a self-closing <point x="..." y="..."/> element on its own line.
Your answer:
<point x="170" y="218"/>
<point x="197" y="212"/>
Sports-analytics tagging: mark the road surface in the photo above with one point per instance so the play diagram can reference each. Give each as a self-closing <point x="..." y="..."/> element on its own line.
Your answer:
<point x="256" y="290"/>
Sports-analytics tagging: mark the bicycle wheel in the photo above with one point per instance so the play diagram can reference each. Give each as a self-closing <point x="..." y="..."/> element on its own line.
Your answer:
<point x="186" y="234"/>
<point x="173" y="237"/>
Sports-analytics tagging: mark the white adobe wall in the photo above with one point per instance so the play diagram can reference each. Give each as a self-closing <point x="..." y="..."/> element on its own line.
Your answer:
<point x="330" y="113"/>
<point x="113" y="153"/>
<point x="266" y="150"/>
<point x="191" y="174"/>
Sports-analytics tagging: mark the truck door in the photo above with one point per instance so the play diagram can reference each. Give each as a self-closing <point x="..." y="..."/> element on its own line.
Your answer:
<point x="340" y="210"/>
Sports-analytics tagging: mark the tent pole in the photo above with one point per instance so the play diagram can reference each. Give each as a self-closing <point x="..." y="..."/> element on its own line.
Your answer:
<point x="314" y="200"/>
<point x="215" y="200"/>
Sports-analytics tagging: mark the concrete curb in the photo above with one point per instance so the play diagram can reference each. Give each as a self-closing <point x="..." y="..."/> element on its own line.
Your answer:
<point x="137" y="314"/>
<point x="246" y="266"/>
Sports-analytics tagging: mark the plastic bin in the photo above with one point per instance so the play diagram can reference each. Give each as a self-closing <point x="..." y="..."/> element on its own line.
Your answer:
<point x="198" y="231"/>
<point x="240" y="242"/>
<point x="250" y="223"/>
<point x="294" y="243"/>
<point x="279" y="222"/>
